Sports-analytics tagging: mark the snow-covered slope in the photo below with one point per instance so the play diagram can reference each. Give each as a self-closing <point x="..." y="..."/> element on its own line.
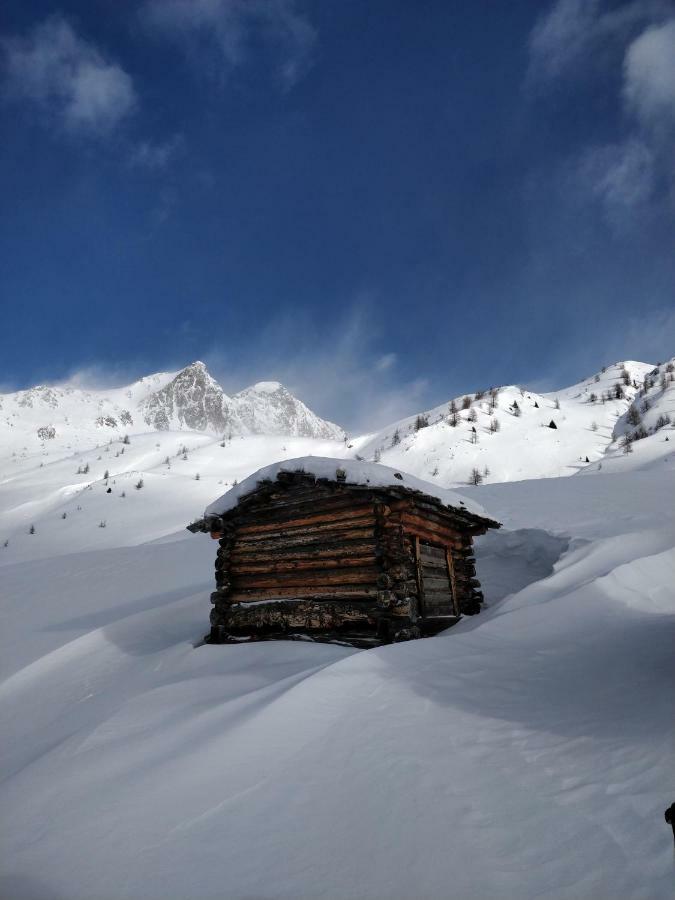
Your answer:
<point x="269" y="408"/>
<point x="506" y="434"/>
<point x="81" y="486"/>
<point x="524" y="753"/>
<point x="122" y="494"/>
<point x="54" y="419"/>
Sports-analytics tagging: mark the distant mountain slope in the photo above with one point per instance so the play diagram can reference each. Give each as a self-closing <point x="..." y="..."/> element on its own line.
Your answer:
<point x="506" y="434"/>
<point x="73" y="418"/>
<point x="59" y="482"/>
<point x="269" y="408"/>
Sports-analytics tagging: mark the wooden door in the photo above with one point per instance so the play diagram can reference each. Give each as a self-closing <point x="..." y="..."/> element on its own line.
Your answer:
<point x="436" y="581"/>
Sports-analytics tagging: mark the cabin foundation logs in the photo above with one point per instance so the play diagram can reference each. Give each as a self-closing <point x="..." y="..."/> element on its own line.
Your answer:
<point x="302" y="557"/>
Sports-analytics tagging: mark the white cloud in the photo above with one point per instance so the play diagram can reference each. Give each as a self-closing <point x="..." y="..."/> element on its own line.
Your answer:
<point x="337" y="372"/>
<point x="67" y="79"/>
<point x="621" y="177"/>
<point x="624" y="177"/>
<point x="156" y="156"/>
<point x="649" y="76"/>
<point x="560" y="36"/>
<point x="575" y="33"/>
<point x="385" y="362"/>
<point x="233" y="27"/>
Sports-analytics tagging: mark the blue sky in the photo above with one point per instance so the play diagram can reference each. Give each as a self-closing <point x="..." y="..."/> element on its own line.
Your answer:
<point x="382" y="204"/>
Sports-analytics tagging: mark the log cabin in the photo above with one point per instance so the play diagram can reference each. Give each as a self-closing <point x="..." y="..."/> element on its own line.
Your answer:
<point x="331" y="549"/>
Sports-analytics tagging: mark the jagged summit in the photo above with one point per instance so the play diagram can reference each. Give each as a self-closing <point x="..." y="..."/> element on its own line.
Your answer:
<point x="190" y="399"/>
<point x="269" y="407"/>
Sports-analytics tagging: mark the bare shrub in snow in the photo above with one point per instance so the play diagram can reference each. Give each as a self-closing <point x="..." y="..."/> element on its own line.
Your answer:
<point x="421" y="422"/>
<point x="466" y="402"/>
<point x="139" y="484"/>
<point x="494" y="425"/>
<point x="476" y="476"/>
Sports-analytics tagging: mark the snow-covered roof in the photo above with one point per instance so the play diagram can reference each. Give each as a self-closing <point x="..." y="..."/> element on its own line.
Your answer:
<point x="351" y="472"/>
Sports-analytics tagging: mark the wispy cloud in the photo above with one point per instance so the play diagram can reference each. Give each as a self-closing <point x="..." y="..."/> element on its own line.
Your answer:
<point x="339" y="374"/>
<point x="574" y="34"/>
<point x="636" y="42"/>
<point x="232" y="28"/>
<point x="156" y="156"/>
<point x="621" y="177"/>
<point x="649" y="77"/>
<point x="67" y="79"/>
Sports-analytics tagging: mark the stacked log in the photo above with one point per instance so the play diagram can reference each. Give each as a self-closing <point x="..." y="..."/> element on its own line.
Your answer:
<point x="299" y="555"/>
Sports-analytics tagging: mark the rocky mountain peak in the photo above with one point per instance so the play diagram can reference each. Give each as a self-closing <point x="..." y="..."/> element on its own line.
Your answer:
<point x="192" y="399"/>
<point x="269" y="407"/>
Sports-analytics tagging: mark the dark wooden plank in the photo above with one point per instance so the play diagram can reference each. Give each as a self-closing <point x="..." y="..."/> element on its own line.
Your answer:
<point x="342" y="515"/>
<point x="350" y="592"/>
<point x="308" y="536"/>
<point x="293" y="530"/>
<point x="427" y="552"/>
<point x="357" y="547"/>
<point x="428" y="531"/>
<point x="326" y="564"/>
<point x="437" y="584"/>
<point x="437" y="568"/>
<point x="364" y="574"/>
<point x="453" y="581"/>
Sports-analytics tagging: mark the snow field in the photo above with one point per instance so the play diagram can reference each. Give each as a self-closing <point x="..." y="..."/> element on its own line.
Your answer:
<point x="525" y="752"/>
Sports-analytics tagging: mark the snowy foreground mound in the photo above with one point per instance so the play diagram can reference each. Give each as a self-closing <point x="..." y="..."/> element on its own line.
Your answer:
<point x="525" y="753"/>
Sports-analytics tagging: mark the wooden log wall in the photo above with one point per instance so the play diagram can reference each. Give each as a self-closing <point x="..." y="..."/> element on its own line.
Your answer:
<point x="329" y="558"/>
<point x="423" y="520"/>
<point x="312" y="549"/>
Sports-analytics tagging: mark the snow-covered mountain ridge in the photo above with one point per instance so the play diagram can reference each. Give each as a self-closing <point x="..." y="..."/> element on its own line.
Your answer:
<point x="187" y="400"/>
<point x="61" y="481"/>
<point x="511" y="433"/>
